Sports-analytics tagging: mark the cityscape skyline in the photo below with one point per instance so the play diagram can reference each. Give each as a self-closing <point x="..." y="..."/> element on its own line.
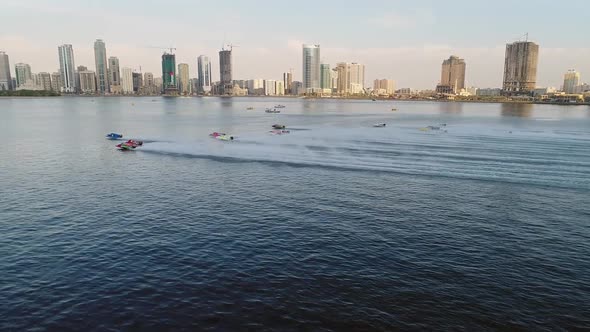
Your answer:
<point x="412" y="58"/>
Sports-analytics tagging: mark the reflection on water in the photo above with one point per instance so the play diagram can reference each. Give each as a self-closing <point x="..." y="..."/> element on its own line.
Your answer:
<point x="451" y="108"/>
<point x="517" y="109"/>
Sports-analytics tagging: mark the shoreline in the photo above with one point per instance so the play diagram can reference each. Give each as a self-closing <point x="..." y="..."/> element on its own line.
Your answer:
<point x="317" y="98"/>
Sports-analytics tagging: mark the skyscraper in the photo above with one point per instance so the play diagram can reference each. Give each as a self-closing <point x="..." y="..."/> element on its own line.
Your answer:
<point x="66" y="68"/>
<point x="87" y="81"/>
<point x="126" y="80"/>
<point x="225" y="72"/>
<point x="288" y="82"/>
<point x="452" y="78"/>
<point x="325" y="76"/>
<point x="114" y="75"/>
<point x="23" y="73"/>
<point x="5" y="78"/>
<point x="571" y="81"/>
<point x="204" y="74"/>
<point x="384" y="86"/>
<point x="520" y="68"/>
<point x="100" y="59"/>
<point x="78" y="71"/>
<point x="351" y="78"/>
<point x="169" y="73"/>
<point x="148" y="79"/>
<point x="311" y="67"/>
<point x="183" y="79"/>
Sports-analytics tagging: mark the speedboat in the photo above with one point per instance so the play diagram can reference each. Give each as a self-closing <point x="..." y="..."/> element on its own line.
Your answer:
<point x="129" y="145"/>
<point x="279" y="132"/>
<point x="268" y="110"/>
<point x="280" y="106"/>
<point x="394" y="109"/>
<point x="379" y="125"/>
<point x="216" y="134"/>
<point x="278" y="126"/>
<point x="225" y="137"/>
<point x="250" y="108"/>
<point x="114" y="136"/>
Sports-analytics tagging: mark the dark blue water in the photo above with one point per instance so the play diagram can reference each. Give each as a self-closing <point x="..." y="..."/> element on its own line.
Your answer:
<point x="335" y="226"/>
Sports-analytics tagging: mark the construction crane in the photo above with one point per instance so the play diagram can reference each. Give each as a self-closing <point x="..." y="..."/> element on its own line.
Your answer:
<point x="231" y="46"/>
<point x="172" y="49"/>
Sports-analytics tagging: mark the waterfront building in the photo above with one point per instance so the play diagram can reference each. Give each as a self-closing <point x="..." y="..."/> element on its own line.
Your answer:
<point x="66" y="68"/>
<point x="137" y="81"/>
<point x="23" y="74"/>
<point x="452" y="78"/>
<point x="183" y="79"/>
<point x="384" y="86"/>
<point x="5" y="77"/>
<point x="114" y="75"/>
<point x="56" y="82"/>
<point x="287" y="82"/>
<point x="126" y="80"/>
<point x="87" y="82"/>
<point x="204" y="74"/>
<point x="148" y="79"/>
<point x="78" y="70"/>
<point x="269" y="87"/>
<point x="158" y="83"/>
<point x="325" y="76"/>
<point x="279" y="88"/>
<point x="225" y="72"/>
<point x="255" y="87"/>
<point x="44" y="81"/>
<point x="311" y="68"/>
<point x="520" y="68"/>
<point x="100" y="60"/>
<point x="351" y="78"/>
<point x="169" y="73"/>
<point x="571" y="81"/>
<point x="489" y="92"/>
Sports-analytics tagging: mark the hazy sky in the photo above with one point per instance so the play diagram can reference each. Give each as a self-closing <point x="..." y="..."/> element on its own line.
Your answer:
<point x="401" y="40"/>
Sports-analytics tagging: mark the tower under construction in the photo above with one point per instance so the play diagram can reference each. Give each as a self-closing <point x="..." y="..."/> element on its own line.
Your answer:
<point x="169" y="86"/>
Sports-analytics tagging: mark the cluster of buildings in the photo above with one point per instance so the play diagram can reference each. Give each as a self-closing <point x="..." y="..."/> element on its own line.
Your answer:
<point x="318" y="78"/>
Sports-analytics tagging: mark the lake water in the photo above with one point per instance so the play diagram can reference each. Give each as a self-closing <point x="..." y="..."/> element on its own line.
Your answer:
<point x="481" y="225"/>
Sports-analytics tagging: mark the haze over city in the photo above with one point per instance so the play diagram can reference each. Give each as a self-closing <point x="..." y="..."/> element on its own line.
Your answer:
<point x="403" y="41"/>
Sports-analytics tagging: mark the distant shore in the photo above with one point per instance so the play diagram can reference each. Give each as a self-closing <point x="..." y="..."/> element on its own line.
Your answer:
<point x="310" y="98"/>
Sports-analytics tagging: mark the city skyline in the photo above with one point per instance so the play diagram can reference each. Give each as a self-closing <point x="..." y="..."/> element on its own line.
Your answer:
<point x="385" y="53"/>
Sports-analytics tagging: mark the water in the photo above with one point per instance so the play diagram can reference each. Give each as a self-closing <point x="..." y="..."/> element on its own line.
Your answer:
<point x="335" y="226"/>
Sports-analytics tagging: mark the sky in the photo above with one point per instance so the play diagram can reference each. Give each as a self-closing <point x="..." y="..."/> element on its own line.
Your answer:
<point x="401" y="40"/>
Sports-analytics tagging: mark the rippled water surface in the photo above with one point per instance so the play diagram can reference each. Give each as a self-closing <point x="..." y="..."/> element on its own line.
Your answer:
<point x="481" y="225"/>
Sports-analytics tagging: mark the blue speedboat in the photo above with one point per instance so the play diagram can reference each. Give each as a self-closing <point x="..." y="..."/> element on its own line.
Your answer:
<point x="114" y="136"/>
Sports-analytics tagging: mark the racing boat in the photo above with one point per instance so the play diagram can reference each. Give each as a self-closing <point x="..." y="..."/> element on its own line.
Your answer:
<point x="216" y="134"/>
<point x="114" y="136"/>
<point x="279" y="132"/>
<point x="129" y="145"/>
<point x="280" y="106"/>
<point x="278" y="126"/>
<point x="379" y="125"/>
<point x="268" y="110"/>
<point x="225" y="137"/>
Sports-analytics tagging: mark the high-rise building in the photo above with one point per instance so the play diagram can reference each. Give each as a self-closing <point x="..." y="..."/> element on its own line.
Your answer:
<point x="158" y="83"/>
<point x="351" y="78"/>
<point x="287" y="82"/>
<point x="5" y="77"/>
<point x="23" y="73"/>
<point x="100" y="59"/>
<point x="87" y="81"/>
<point x="384" y="86"/>
<point x="325" y="76"/>
<point x="148" y="79"/>
<point x="137" y="81"/>
<point x="270" y="87"/>
<point x="571" y="81"/>
<point x="79" y="69"/>
<point x="204" y="74"/>
<point x="520" y="68"/>
<point x="279" y="88"/>
<point x="225" y="72"/>
<point x="183" y="79"/>
<point x="126" y="80"/>
<point x="114" y="75"/>
<point x="56" y="82"/>
<point x="44" y="81"/>
<point x="452" y="78"/>
<point x="255" y="87"/>
<point x="169" y="73"/>
<point x="311" y="68"/>
<point x="66" y="67"/>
